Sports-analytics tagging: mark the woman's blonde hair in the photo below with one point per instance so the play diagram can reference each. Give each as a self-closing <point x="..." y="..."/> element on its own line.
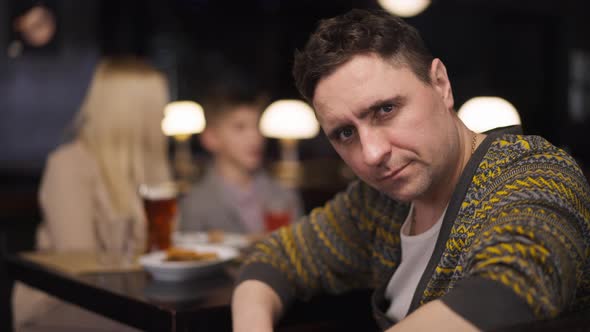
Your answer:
<point x="119" y="123"/>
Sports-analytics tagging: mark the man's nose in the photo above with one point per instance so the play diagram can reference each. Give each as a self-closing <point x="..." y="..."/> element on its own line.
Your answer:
<point x="375" y="148"/>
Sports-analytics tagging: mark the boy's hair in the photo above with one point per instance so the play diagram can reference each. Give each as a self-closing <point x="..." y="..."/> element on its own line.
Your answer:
<point x="216" y="109"/>
<point x="339" y="39"/>
<point x="229" y="93"/>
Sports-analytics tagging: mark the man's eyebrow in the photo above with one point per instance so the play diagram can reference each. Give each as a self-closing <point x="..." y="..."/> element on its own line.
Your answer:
<point x="375" y="106"/>
<point x="364" y="112"/>
<point x="395" y="100"/>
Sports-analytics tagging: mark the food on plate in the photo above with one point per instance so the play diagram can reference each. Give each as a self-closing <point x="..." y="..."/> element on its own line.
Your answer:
<point x="215" y="236"/>
<point x="255" y="237"/>
<point x="176" y="254"/>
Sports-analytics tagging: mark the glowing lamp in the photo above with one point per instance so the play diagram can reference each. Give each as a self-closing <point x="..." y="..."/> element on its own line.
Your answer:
<point x="404" y="8"/>
<point x="289" y="120"/>
<point x="484" y="113"/>
<point x="181" y="120"/>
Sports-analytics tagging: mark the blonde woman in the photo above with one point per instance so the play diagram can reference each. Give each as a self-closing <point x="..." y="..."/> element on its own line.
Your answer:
<point x="89" y="187"/>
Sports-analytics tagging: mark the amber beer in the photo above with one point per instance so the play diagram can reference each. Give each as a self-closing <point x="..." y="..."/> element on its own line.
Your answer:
<point x="161" y="210"/>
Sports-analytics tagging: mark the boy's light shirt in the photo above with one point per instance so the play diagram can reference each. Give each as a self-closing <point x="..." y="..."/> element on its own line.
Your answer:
<point x="247" y="201"/>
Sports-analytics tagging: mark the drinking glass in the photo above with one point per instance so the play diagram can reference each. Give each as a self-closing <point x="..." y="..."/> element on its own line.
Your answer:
<point x="277" y="213"/>
<point x="160" y="204"/>
<point x="115" y="242"/>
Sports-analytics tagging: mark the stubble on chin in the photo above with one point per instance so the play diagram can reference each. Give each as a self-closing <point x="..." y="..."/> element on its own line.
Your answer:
<point x="407" y="189"/>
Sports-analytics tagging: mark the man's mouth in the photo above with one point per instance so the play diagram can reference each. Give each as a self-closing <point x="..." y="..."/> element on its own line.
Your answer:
<point x="392" y="174"/>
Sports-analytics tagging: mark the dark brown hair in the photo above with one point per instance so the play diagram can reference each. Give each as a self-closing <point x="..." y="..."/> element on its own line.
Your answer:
<point x="338" y="39"/>
<point x="230" y="90"/>
<point x="217" y="109"/>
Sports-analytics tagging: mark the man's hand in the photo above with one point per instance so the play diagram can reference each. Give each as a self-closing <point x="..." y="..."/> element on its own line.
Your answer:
<point x="433" y="316"/>
<point x="255" y="307"/>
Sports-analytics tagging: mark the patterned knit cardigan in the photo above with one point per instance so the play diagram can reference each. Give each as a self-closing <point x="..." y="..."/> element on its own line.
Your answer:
<point x="513" y="246"/>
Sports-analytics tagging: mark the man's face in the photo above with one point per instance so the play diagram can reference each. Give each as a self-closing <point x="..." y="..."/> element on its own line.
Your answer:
<point x="395" y="132"/>
<point x="236" y="139"/>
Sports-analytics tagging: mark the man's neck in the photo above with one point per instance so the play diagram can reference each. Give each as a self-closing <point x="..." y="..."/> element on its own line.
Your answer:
<point x="426" y="215"/>
<point x="429" y="207"/>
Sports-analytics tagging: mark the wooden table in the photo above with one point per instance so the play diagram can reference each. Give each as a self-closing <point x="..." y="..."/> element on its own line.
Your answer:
<point x="134" y="299"/>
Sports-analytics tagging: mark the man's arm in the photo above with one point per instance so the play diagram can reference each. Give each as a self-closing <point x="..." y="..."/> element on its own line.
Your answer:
<point x="433" y="316"/>
<point x="255" y="307"/>
<point x="323" y="252"/>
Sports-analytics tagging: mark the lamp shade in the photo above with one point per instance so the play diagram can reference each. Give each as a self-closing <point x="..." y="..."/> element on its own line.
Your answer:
<point x="183" y="118"/>
<point x="404" y="8"/>
<point x="484" y="113"/>
<point x="289" y="119"/>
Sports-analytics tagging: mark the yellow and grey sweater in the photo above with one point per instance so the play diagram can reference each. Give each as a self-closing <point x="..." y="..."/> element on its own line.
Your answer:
<point x="513" y="246"/>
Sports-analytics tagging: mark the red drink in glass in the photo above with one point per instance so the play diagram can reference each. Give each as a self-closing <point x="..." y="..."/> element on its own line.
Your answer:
<point x="276" y="219"/>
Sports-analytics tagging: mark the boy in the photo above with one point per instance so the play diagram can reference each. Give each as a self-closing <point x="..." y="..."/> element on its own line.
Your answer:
<point x="234" y="192"/>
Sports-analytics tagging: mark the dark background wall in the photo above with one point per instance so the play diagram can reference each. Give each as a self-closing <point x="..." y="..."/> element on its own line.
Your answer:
<point x="518" y="50"/>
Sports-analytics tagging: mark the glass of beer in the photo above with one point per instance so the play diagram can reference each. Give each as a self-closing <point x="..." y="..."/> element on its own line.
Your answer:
<point x="159" y="201"/>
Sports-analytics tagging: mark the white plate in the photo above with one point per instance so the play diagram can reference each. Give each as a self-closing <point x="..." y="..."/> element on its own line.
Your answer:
<point x="160" y="269"/>
<point x="235" y="240"/>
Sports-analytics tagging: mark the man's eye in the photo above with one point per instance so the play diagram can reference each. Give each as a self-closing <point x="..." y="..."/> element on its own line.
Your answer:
<point x="345" y="133"/>
<point x="385" y="109"/>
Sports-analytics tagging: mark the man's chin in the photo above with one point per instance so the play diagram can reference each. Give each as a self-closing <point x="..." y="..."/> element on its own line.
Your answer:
<point x="399" y="193"/>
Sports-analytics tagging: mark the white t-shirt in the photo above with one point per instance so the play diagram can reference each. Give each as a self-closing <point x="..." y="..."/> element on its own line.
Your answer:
<point x="416" y="252"/>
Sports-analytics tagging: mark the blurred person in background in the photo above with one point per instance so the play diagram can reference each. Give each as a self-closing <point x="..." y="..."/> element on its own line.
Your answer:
<point x="47" y="61"/>
<point x="235" y="189"/>
<point x="90" y="185"/>
<point x="36" y="26"/>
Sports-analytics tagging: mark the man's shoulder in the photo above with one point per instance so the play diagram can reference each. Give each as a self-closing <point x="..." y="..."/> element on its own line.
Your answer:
<point x="514" y="147"/>
<point x="520" y="159"/>
<point x="524" y="142"/>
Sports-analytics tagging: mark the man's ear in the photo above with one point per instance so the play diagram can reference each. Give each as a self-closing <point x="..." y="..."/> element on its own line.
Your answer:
<point x="440" y="82"/>
<point x="209" y="140"/>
